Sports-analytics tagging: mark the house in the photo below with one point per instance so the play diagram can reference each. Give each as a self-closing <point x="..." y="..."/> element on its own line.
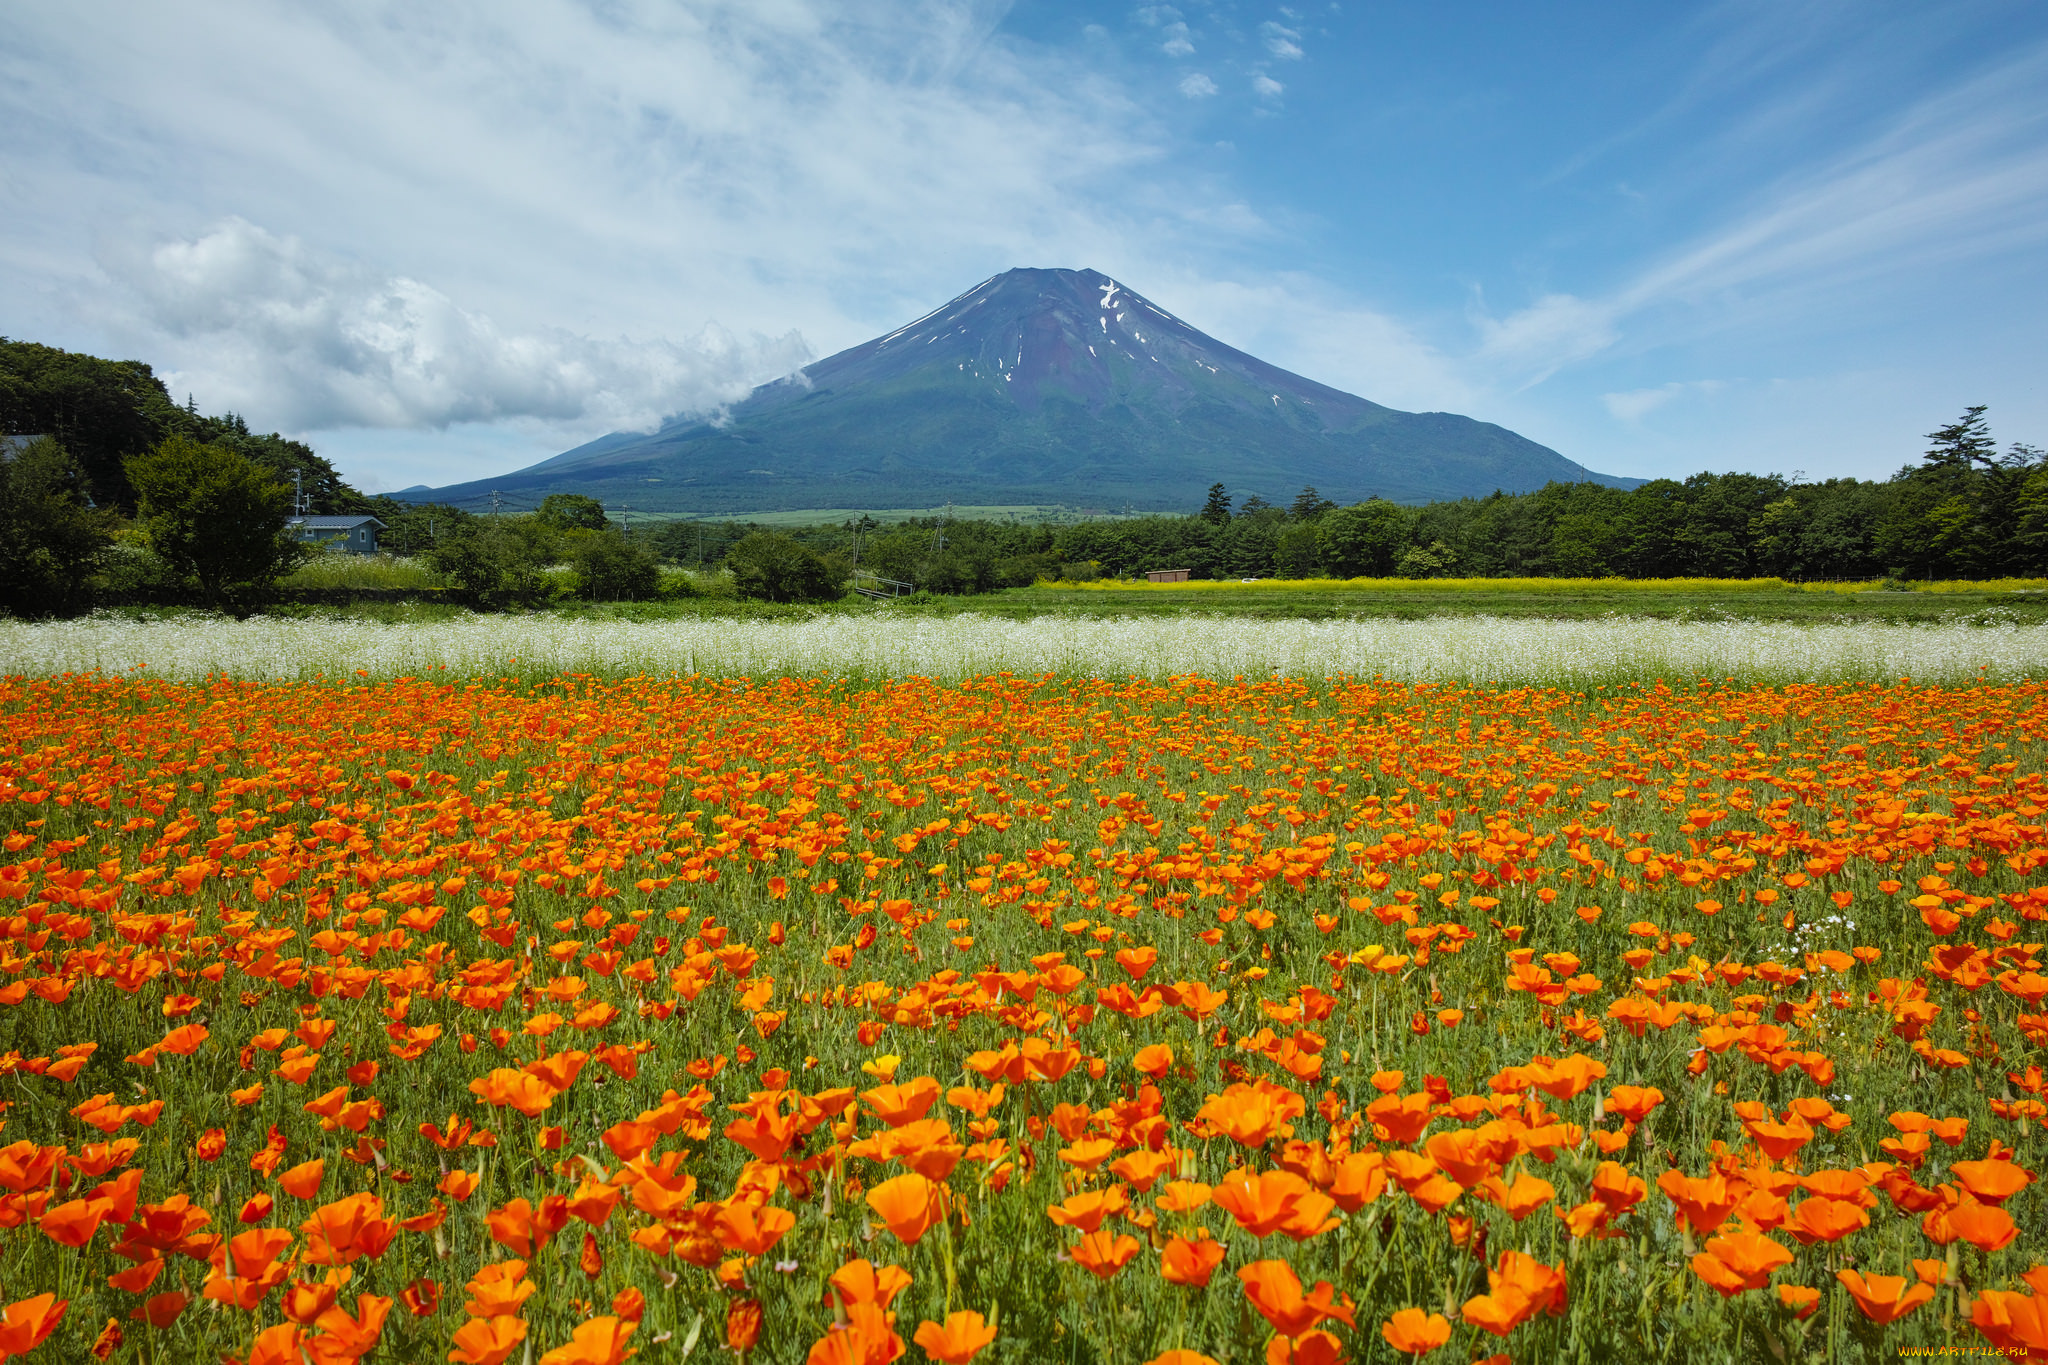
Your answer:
<point x="357" y="535"/>
<point x="1168" y="575"/>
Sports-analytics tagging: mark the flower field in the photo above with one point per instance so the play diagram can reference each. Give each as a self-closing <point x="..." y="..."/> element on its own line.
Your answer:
<point x="1020" y="1019"/>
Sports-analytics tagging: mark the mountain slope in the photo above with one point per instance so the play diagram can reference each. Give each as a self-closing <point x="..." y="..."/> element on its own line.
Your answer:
<point x="1041" y="386"/>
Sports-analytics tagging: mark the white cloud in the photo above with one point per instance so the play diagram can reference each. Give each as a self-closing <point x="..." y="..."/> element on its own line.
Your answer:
<point x="1197" y="86"/>
<point x="553" y="170"/>
<point x="320" y="342"/>
<point x="1557" y="330"/>
<point x="1266" y="87"/>
<point x="1284" y="43"/>
<point x="1177" y="42"/>
<point x="1636" y="404"/>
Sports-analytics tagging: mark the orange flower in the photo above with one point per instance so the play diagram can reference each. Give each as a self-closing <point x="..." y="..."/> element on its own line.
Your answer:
<point x="507" y="1087"/>
<point x="1519" y="1289"/>
<point x="1883" y="1298"/>
<point x="1825" y="1220"/>
<point x="1084" y="1212"/>
<point x="1402" y="1116"/>
<point x="1275" y="1201"/>
<point x="1275" y="1291"/>
<point x="303" y="1181"/>
<point x="73" y="1224"/>
<point x="1190" y="1261"/>
<point x="742" y="1325"/>
<point x="896" y="1105"/>
<point x="1415" y="1333"/>
<point x="522" y="1229"/>
<point x="487" y="1341"/>
<point x="1984" y="1226"/>
<point x="499" y="1290"/>
<point x="24" y="1324"/>
<point x="2014" y="1323"/>
<point x="1102" y="1254"/>
<point x="257" y="1270"/>
<point x="1991" y="1182"/>
<point x="862" y="1282"/>
<point x="1744" y="1260"/>
<point x="1799" y="1298"/>
<point x="1154" y="1061"/>
<point x="1703" y="1203"/>
<point x="1182" y="1357"/>
<point x="752" y="1229"/>
<point x="956" y="1343"/>
<point x="910" y="1205"/>
<point x="599" y="1341"/>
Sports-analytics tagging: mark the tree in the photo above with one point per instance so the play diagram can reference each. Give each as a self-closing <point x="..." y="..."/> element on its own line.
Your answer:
<point x="214" y="519"/>
<point x="1962" y="443"/>
<point x="571" y="512"/>
<point x="411" y="528"/>
<point x="1296" y="551"/>
<point x="50" y="539"/>
<point x="612" y="568"/>
<point x="1366" y="539"/>
<point x="494" y="563"/>
<point x="1433" y="561"/>
<point x="1309" y="504"/>
<point x="773" y="567"/>
<point x="1216" y="510"/>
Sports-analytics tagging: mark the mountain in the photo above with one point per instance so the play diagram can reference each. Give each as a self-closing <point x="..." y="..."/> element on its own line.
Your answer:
<point x="1040" y="387"/>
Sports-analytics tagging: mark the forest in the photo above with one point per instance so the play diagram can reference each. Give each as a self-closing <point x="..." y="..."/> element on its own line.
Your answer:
<point x="131" y="496"/>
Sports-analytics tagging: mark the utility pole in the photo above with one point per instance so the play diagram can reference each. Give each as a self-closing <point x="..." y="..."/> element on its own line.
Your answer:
<point x="494" y="502"/>
<point x="298" y="493"/>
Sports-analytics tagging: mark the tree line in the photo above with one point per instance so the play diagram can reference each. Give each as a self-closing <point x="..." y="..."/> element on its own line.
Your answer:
<point x="112" y="491"/>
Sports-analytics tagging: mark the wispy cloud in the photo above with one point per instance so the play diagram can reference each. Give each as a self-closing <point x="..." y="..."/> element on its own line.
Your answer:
<point x="1636" y="404"/>
<point x="1960" y="174"/>
<point x="1284" y="43"/>
<point x="1197" y="86"/>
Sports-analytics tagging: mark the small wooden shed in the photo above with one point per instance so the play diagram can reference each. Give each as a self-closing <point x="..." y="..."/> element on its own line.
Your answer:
<point x="1168" y="575"/>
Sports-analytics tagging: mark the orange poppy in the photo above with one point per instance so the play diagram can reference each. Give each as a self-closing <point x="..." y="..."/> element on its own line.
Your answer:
<point x="1102" y="1253"/>
<point x="499" y="1290"/>
<point x="1703" y="1203"/>
<point x="2014" y="1323"/>
<point x="598" y="1341"/>
<point x="1825" y="1220"/>
<point x="1884" y="1298"/>
<point x="487" y="1341"/>
<point x="1415" y="1333"/>
<point x="1991" y="1182"/>
<point x="1274" y="1201"/>
<point x="958" y="1341"/>
<point x="303" y="1181"/>
<point x="25" y="1323"/>
<point x="1190" y="1261"/>
<point x="910" y="1205"/>
<point x="1275" y="1291"/>
<point x="1084" y="1212"/>
<point x="1740" y="1261"/>
<point x="1984" y="1226"/>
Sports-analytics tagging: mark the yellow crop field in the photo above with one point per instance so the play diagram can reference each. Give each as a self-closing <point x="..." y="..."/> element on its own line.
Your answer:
<point x="1019" y="1018"/>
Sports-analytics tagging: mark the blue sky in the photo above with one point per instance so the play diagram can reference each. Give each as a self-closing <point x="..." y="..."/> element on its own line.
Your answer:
<point x="448" y="240"/>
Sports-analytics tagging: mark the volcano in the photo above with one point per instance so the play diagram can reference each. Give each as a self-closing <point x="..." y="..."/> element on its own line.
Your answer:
<point x="1045" y="387"/>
